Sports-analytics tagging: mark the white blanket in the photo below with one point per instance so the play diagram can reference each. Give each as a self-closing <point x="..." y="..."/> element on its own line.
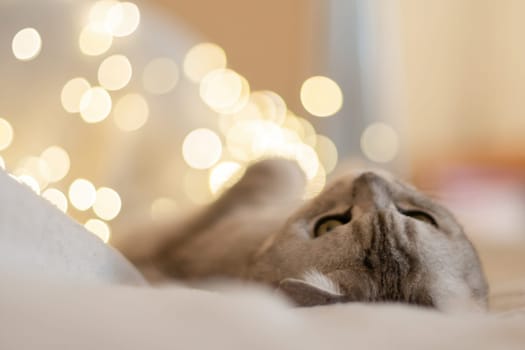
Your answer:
<point x="43" y="316"/>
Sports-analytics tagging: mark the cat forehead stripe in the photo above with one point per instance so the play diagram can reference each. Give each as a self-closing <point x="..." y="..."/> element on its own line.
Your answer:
<point x="321" y="281"/>
<point x="381" y="172"/>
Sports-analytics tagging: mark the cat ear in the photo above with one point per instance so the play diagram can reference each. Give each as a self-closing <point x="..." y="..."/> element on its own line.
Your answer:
<point x="306" y="294"/>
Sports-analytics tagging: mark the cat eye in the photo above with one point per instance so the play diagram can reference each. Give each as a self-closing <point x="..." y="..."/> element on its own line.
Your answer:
<point x="329" y="223"/>
<point x="419" y="215"/>
<point x="327" y="226"/>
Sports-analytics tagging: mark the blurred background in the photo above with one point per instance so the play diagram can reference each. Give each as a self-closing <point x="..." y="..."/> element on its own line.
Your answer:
<point x="129" y="113"/>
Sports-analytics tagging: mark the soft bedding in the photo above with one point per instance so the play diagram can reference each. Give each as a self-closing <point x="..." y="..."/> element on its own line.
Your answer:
<point x="62" y="288"/>
<point x="46" y="316"/>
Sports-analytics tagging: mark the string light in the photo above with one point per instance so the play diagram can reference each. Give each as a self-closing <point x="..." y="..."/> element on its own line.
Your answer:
<point x="160" y="75"/>
<point x="254" y="124"/>
<point x="267" y="139"/>
<point x="271" y="106"/>
<point x="57" y="161"/>
<point x="201" y="148"/>
<point x="99" y="14"/>
<point x="309" y="135"/>
<point x="107" y="203"/>
<point x="292" y="122"/>
<point x="129" y="15"/>
<point x="72" y="93"/>
<point x="315" y="185"/>
<point x="98" y="228"/>
<point x="224" y="174"/>
<point x="36" y="168"/>
<point x="224" y="91"/>
<point x="327" y="152"/>
<point x="380" y="143"/>
<point x="290" y="136"/>
<point x="321" y="96"/>
<point x="115" y="72"/>
<point x="26" y="44"/>
<point x="56" y="197"/>
<point x="240" y="138"/>
<point x="6" y="134"/>
<point x="202" y="59"/>
<point x="131" y="112"/>
<point x="95" y="105"/>
<point x="305" y="157"/>
<point x="94" y="39"/>
<point x="82" y="194"/>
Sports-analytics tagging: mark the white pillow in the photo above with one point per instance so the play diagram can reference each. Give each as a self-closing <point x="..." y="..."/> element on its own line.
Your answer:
<point x="39" y="241"/>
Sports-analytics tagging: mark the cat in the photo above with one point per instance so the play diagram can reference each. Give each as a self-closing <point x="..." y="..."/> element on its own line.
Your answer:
<point x="367" y="237"/>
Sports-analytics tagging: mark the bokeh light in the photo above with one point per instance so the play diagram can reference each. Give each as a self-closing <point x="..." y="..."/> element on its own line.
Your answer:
<point x="56" y="197"/>
<point x="271" y="106"/>
<point x="98" y="228"/>
<point x="57" y="161"/>
<point x="254" y="125"/>
<point x="268" y="140"/>
<point x="107" y="203"/>
<point x="316" y="184"/>
<point x="249" y="112"/>
<point x="305" y="157"/>
<point x="327" y="152"/>
<point x="82" y="194"/>
<point x="242" y="137"/>
<point x="26" y="44"/>
<point x="72" y="93"/>
<point x="308" y="133"/>
<point x="95" y="105"/>
<point x="202" y="148"/>
<point x="380" y="143"/>
<point x="6" y="134"/>
<point x="292" y="122"/>
<point x="115" y="72"/>
<point x="29" y="181"/>
<point x="202" y="59"/>
<point x="94" y="39"/>
<point x="124" y="19"/>
<point x="224" y="175"/>
<point x="131" y="112"/>
<point x="34" y="167"/>
<point x="224" y="91"/>
<point x="163" y="209"/>
<point x="99" y="14"/>
<point x="160" y="75"/>
<point x="321" y="96"/>
<point x="252" y="139"/>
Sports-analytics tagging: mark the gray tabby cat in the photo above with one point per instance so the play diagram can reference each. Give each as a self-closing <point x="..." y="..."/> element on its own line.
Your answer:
<point x="366" y="237"/>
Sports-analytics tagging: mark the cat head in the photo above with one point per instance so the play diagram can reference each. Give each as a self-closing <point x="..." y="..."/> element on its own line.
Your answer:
<point x="369" y="237"/>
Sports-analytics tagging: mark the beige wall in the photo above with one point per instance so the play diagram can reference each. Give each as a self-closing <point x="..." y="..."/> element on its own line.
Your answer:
<point x="464" y="65"/>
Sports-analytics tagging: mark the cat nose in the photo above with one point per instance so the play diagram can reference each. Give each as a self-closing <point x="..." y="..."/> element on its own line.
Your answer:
<point x="371" y="192"/>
